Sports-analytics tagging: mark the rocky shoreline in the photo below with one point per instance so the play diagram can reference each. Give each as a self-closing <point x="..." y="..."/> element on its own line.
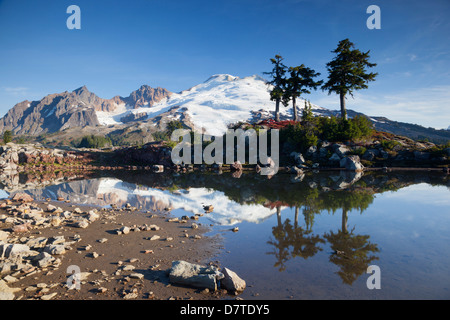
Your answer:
<point x="156" y="157"/>
<point x="48" y="247"/>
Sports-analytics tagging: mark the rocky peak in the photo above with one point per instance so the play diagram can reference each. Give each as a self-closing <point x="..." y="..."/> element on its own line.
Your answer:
<point x="146" y="95"/>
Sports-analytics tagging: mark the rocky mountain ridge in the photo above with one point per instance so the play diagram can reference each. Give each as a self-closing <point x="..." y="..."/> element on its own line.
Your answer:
<point x="79" y="108"/>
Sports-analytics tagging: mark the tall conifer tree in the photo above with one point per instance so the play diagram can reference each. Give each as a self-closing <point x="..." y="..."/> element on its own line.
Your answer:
<point x="300" y="82"/>
<point x="278" y="83"/>
<point x="347" y="72"/>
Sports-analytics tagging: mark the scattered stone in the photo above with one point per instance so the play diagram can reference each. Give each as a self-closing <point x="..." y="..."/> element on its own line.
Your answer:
<point x="92" y="216"/>
<point x="51" y="208"/>
<point x="4" y="235"/>
<point x="43" y="259"/>
<point x="7" y="293"/>
<point x="21" y="228"/>
<point x="231" y="281"/>
<point x="128" y="267"/>
<point x="137" y="276"/>
<point x="55" y="249"/>
<point x="155" y="237"/>
<point x="124" y="230"/>
<point x="131" y="295"/>
<point x="82" y="224"/>
<point x="77" y="210"/>
<point x="49" y="296"/>
<point x="24" y="197"/>
<point x="101" y="290"/>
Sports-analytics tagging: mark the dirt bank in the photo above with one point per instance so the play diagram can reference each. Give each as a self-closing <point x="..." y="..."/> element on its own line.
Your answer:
<point x="116" y="266"/>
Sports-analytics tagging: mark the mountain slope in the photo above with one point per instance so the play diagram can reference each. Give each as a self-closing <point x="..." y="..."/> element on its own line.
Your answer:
<point x="79" y="108"/>
<point x="212" y="105"/>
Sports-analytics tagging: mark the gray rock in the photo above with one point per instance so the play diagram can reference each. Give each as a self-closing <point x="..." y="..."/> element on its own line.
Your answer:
<point x="340" y="149"/>
<point x="57" y="240"/>
<point x="43" y="260"/>
<point x="82" y="224"/>
<point x="55" y="249"/>
<point x="231" y="281"/>
<point x="298" y="158"/>
<point x="311" y="151"/>
<point x="351" y="163"/>
<point x="194" y="275"/>
<point x="124" y="230"/>
<point x="37" y="243"/>
<point x="7" y="293"/>
<point x="11" y="250"/>
<point x="334" y="158"/>
<point x="3" y="235"/>
<point x="92" y="216"/>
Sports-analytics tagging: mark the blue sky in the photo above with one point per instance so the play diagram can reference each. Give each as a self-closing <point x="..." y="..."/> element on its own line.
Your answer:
<point x="178" y="44"/>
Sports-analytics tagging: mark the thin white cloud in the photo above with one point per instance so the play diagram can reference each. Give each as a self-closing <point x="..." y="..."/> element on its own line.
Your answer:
<point x="412" y="57"/>
<point x="15" y="90"/>
<point x="429" y="107"/>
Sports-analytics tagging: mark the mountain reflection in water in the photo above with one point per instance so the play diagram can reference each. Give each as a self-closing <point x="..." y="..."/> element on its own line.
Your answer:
<point x="254" y="199"/>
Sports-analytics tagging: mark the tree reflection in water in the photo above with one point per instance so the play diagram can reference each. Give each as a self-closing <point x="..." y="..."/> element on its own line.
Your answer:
<point x="292" y="241"/>
<point x="352" y="253"/>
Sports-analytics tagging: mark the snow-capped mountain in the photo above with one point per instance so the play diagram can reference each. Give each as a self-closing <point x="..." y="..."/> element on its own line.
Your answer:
<point x="209" y="107"/>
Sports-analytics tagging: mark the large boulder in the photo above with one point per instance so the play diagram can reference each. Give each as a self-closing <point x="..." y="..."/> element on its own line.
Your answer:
<point x="340" y="149"/>
<point x="351" y="163"/>
<point x="194" y="275"/>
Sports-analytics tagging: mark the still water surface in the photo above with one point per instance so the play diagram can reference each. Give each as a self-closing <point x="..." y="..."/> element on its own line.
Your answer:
<point x="302" y="237"/>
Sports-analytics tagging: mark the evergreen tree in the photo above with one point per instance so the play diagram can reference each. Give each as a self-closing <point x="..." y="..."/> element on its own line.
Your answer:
<point x="7" y="136"/>
<point x="278" y="83"/>
<point x="347" y="72"/>
<point x="299" y="82"/>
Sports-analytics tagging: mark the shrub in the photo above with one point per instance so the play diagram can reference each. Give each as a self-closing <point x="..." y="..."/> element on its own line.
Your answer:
<point x="337" y="129"/>
<point x="389" y="144"/>
<point x="173" y="125"/>
<point x="94" y="142"/>
<point x="300" y="137"/>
